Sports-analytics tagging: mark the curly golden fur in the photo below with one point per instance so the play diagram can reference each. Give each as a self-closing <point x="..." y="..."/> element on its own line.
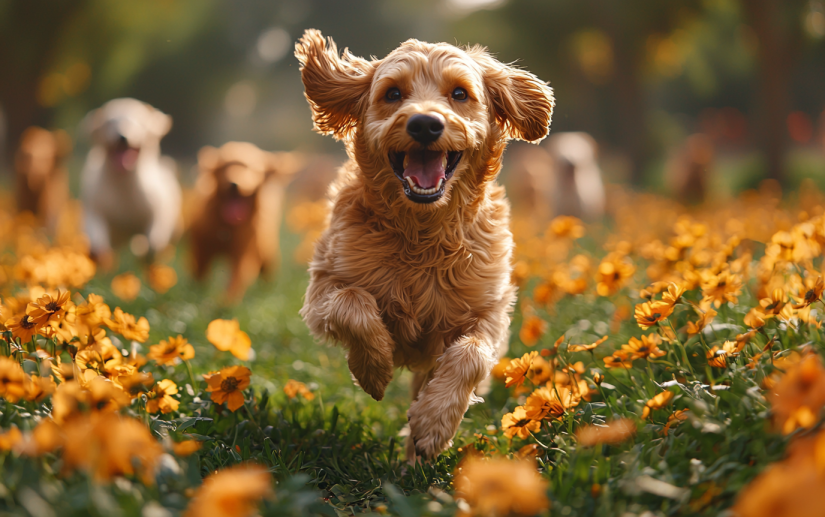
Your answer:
<point x="401" y="283"/>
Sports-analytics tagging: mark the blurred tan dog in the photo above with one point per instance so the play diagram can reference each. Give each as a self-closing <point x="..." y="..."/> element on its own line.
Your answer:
<point x="239" y="200"/>
<point x="414" y="269"/>
<point x="561" y="177"/>
<point x="42" y="179"/>
<point x="688" y="170"/>
<point x="129" y="192"/>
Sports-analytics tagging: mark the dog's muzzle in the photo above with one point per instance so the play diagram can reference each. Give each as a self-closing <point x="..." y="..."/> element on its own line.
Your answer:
<point x="424" y="173"/>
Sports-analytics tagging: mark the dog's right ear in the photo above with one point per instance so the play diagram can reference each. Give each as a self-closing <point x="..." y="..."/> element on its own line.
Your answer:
<point x="335" y="86"/>
<point x="92" y="123"/>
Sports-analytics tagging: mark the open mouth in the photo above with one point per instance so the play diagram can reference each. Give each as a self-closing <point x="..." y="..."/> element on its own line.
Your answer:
<point x="125" y="157"/>
<point x="424" y="173"/>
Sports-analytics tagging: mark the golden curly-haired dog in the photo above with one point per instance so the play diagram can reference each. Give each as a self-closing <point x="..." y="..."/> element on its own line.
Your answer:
<point x="414" y="268"/>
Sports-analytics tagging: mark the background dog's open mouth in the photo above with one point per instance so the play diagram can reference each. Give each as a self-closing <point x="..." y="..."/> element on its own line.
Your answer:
<point x="424" y="173"/>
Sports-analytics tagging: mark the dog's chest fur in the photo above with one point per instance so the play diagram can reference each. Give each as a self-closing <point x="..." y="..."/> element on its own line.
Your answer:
<point x="431" y="286"/>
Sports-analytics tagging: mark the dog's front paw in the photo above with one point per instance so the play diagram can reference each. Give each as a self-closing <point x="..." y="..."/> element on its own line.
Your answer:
<point x="372" y="367"/>
<point x="433" y="424"/>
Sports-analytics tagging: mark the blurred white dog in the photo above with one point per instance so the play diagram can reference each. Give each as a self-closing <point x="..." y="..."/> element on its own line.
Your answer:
<point x="129" y="192"/>
<point x="560" y="177"/>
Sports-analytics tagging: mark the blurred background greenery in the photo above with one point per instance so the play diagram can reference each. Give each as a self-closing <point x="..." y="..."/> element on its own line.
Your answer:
<point x="639" y="75"/>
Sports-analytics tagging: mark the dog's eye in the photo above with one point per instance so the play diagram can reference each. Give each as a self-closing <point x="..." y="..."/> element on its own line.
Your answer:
<point x="459" y="94"/>
<point x="393" y="94"/>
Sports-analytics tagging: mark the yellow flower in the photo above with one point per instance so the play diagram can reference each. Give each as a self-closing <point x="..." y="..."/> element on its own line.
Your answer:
<point x="22" y="327"/>
<point x="658" y="402"/>
<point x="45" y="438"/>
<point x="135" y="383"/>
<point x="647" y="347"/>
<point x="517" y="371"/>
<point x="755" y="318"/>
<point x="227" y="335"/>
<point x="612" y="433"/>
<point x="293" y="388"/>
<point x="619" y="359"/>
<point x="49" y="308"/>
<point x="186" y="447"/>
<point x="108" y="446"/>
<point x="13" y="380"/>
<point x="10" y="439"/>
<point x="650" y="313"/>
<point x="614" y="270"/>
<point x="543" y="403"/>
<point x="124" y="324"/>
<point x="231" y="492"/>
<point x="566" y="226"/>
<point x="170" y="350"/>
<point x="498" y="486"/>
<point x="126" y="286"/>
<point x="38" y="388"/>
<point x="162" y="277"/>
<point x="674" y="293"/>
<point x="773" y="305"/>
<point x="517" y="424"/>
<point x="532" y="329"/>
<point x="91" y="315"/>
<point x="799" y="396"/>
<point x="724" y="287"/>
<point x="160" y="398"/>
<point x="813" y="293"/>
<point x="675" y="419"/>
<point x="704" y="320"/>
<point x="227" y="385"/>
<point x="591" y="346"/>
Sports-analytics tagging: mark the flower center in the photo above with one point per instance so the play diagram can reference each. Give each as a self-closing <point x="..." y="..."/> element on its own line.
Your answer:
<point x="52" y="306"/>
<point x="26" y="322"/>
<point x="229" y="384"/>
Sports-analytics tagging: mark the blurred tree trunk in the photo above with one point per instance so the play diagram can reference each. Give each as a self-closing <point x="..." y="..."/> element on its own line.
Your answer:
<point x="29" y="30"/>
<point x="777" y="51"/>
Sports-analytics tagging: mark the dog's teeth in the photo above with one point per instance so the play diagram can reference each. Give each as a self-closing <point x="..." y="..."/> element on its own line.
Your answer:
<point x="410" y="181"/>
<point x="444" y="161"/>
<point x="406" y="160"/>
<point x="440" y="181"/>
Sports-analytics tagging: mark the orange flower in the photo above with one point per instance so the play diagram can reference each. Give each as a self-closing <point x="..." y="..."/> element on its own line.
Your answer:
<point x="674" y="293"/>
<point x="614" y="271"/>
<point x="160" y="398"/>
<point x="293" y="388"/>
<point x="13" y="380"/>
<point x="612" y="433"/>
<point x="498" y="486"/>
<point x="498" y="370"/>
<point x="532" y="329"/>
<point x="704" y="320"/>
<point x="647" y="347"/>
<point x="718" y="357"/>
<point x="136" y="383"/>
<point x="517" y="424"/>
<point x="772" y="305"/>
<point x="124" y="324"/>
<point x="619" y="359"/>
<point x="22" y="327"/>
<point x="169" y="351"/>
<point x="567" y="226"/>
<point x="186" y="447"/>
<point x="724" y="287"/>
<point x="812" y="294"/>
<point x="45" y="438"/>
<point x="675" y="419"/>
<point x="799" y="396"/>
<point x="231" y="492"/>
<point x="109" y="445"/>
<point x="517" y="371"/>
<point x="582" y="348"/>
<point x="38" y="388"/>
<point x="755" y="318"/>
<point x="48" y="308"/>
<point x="162" y="277"/>
<point x="227" y="385"/>
<point x="91" y="315"/>
<point x="227" y="335"/>
<point x="10" y="439"/>
<point x="650" y="313"/>
<point x="658" y="402"/>
<point x="543" y="403"/>
<point x="126" y="286"/>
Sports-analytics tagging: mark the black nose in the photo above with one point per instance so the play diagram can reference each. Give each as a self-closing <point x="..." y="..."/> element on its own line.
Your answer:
<point x="121" y="139"/>
<point x="424" y="128"/>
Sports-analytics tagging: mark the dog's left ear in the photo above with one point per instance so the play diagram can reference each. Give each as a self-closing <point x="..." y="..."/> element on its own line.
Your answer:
<point x="335" y="86"/>
<point x="521" y="103"/>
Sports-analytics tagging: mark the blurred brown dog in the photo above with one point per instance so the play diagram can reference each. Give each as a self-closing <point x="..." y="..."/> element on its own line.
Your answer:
<point x="414" y="269"/>
<point x="239" y="194"/>
<point x="42" y="179"/>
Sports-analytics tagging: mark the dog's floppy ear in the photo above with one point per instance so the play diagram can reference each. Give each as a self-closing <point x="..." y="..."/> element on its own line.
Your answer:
<point x="208" y="159"/>
<point x="521" y="103"/>
<point x="335" y="86"/>
<point x="159" y="122"/>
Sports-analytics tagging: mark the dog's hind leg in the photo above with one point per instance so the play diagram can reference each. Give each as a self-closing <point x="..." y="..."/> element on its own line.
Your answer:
<point x="350" y="315"/>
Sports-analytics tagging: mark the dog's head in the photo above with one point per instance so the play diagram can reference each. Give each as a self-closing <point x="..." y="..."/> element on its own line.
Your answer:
<point x="426" y="116"/>
<point x="125" y="128"/>
<point x="234" y="174"/>
<point x="41" y="152"/>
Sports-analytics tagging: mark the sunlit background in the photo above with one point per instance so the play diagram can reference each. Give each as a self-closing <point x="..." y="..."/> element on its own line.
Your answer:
<point x="639" y="75"/>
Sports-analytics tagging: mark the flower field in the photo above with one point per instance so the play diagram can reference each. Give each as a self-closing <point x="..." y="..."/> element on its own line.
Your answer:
<point x="667" y="362"/>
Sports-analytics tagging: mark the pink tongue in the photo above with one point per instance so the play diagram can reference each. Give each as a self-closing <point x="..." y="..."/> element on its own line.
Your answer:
<point x="235" y="211"/>
<point x="127" y="159"/>
<point x="425" y="168"/>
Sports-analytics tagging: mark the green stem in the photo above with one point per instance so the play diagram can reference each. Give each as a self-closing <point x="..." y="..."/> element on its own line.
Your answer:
<point x="681" y="347"/>
<point x="191" y="376"/>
